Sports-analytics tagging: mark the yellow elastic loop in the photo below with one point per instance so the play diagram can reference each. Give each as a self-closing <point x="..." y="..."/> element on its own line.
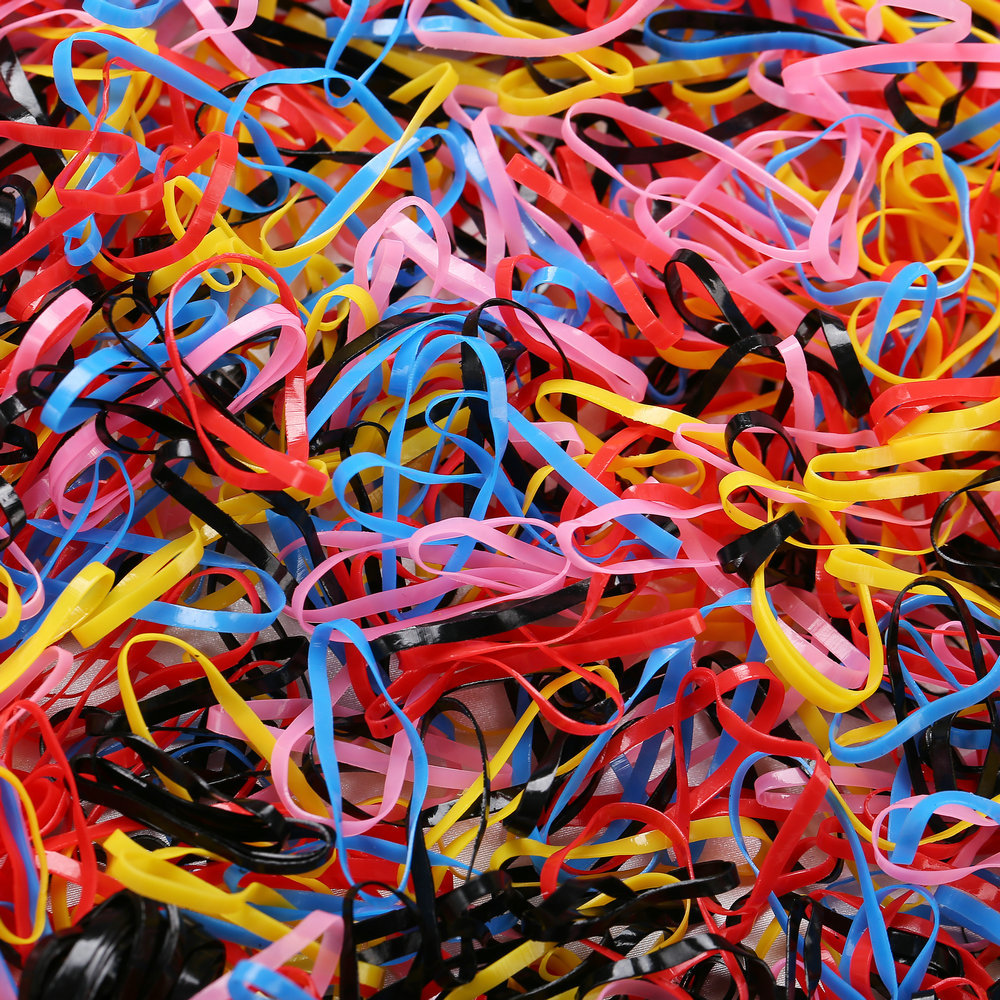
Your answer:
<point x="147" y="582"/>
<point x="257" y="734"/>
<point x="152" y="874"/>
<point x="11" y="616"/>
<point x="70" y="611"/>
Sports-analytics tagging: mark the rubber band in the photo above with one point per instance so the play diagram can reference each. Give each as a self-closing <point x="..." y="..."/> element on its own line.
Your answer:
<point x="498" y="500"/>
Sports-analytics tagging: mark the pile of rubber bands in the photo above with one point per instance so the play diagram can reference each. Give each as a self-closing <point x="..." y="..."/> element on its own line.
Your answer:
<point x="500" y="500"/>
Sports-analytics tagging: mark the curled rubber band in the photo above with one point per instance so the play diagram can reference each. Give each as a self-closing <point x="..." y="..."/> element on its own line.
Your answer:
<point x="499" y="500"/>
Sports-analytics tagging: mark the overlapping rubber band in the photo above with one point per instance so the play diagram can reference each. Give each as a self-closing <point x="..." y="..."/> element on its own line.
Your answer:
<point x="499" y="500"/>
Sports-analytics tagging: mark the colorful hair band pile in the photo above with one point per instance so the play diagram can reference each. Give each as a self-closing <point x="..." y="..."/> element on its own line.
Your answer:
<point x="500" y="499"/>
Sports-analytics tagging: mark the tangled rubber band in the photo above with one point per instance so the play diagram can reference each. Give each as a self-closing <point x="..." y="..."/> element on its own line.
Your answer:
<point x="498" y="500"/>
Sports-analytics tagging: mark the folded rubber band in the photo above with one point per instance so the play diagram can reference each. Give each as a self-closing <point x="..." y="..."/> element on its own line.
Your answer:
<point x="499" y="500"/>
